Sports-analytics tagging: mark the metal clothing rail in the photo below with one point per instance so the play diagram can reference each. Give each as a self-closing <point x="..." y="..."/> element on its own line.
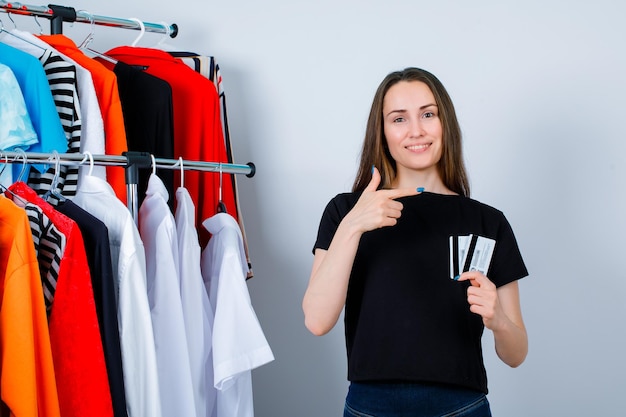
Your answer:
<point x="59" y="14"/>
<point x="131" y="161"/>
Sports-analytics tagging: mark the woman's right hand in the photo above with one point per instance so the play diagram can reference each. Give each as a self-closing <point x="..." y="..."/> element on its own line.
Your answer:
<point x="325" y="296"/>
<point x="377" y="208"/>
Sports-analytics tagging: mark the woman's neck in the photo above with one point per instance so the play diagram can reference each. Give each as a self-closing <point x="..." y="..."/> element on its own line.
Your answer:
<point x="430" y="181"/>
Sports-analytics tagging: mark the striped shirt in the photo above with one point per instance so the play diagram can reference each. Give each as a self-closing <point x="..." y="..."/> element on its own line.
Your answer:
<point x="61" y="77"/>
<point x="49" y="247"/>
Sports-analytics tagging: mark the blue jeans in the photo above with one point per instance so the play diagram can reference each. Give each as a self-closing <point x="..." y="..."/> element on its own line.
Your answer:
<point x="414" y="400"/>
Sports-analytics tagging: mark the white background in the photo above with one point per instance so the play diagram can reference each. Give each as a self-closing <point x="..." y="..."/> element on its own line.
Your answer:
<point x="540" y="92"/>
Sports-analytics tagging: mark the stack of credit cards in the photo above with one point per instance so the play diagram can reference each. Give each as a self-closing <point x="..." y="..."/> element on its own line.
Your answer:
<point x="470" y="253"/>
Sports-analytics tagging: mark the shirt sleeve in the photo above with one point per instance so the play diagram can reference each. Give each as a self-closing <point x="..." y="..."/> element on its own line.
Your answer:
<point x="333" y="214"/>
<point x="507" y="264"/>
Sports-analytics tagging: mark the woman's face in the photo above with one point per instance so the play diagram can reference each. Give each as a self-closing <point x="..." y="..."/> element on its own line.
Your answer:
<point x="412" y="127"/>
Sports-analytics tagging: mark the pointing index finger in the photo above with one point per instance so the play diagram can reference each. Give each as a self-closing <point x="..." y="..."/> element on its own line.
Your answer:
<point x="401" y="192"/>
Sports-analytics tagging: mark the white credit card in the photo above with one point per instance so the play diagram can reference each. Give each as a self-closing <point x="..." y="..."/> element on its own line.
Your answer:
<point x="470" y="253"/>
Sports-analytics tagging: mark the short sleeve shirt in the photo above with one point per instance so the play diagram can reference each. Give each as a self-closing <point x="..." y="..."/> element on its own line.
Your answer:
<point x="405" y="318"/>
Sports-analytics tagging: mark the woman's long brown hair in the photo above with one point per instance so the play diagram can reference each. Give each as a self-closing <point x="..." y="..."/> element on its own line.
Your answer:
<point x="375" y="151"/>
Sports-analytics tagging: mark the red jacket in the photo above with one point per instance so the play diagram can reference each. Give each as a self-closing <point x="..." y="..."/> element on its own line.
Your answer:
<point x="82" y="381"/>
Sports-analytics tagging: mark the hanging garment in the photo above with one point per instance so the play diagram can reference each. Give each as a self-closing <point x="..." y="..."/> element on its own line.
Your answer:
<point x="208" y="67"/>
<point x="106" y="87"/>
<point x="239" y="344"/>
<point x="92" y="127"/>
<point x="62" y="79"/>
<point x="32" y="79"/>
<point x="16" y="129"/>
<point x="141" y="381"/>
<point x="148" y="119"/>
<point x="50" y="245"/>
<point x="27" y="380"/>
<point x="197" y="311"/>
<point x="96" y="239"/>
<point x="197" y="126"/>
<point x="158" y="232"/>
<point x="79" y="366"/>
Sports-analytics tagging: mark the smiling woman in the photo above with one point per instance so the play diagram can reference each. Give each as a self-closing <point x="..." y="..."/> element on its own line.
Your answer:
<point x="391" y="254"/>
<point x="413" y="131"/>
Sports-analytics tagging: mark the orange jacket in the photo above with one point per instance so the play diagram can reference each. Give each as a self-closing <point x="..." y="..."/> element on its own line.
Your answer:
<point x="27" y="377"/>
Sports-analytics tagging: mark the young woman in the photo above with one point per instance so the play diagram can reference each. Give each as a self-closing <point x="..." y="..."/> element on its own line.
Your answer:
<point x="393" y="252"/>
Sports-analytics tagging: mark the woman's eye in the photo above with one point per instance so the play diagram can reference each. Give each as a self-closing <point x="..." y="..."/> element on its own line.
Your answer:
<point x="398" y="120"/>
<point x="429" y="114"/>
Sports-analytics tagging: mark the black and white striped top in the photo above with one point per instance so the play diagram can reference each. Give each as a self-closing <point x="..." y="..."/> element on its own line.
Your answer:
<point x="61" y="77"/>
<point x="50" y="246"/>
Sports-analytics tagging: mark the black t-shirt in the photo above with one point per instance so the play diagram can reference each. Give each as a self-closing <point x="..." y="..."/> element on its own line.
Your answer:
<point x="405" y="318"/>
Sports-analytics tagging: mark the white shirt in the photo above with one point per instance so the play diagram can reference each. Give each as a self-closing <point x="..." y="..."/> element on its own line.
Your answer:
<point x="239" y="344"/>
<point x="197" y="311"/>
<point x="141" y="381"/>
<point x="158" y="232"/>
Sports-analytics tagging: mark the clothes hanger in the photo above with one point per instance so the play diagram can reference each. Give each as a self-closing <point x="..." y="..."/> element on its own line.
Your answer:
<point x="84" y="45"/>
<point x="92" y="29"/>
<point x="24" y="157"/>
<point x="6" y="189"/>
<point x="161" y="44"/>
<point x="12" y="21"/>
<point x="89" y="156"/>
<point x="142" y="28"/>
<point x="38" y="24"/>
<point x="54" y="190"/>
<point x="182" y="171"/>
<point x="3" y="30"/>
<point x="221" y="207"/>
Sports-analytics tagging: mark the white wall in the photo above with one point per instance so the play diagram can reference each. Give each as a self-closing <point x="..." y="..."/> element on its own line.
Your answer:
<point x="540" y="91"/>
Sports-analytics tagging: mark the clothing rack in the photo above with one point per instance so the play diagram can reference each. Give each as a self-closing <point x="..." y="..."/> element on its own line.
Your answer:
<point x="131" y="161"/>
<point x="59" y="14"/>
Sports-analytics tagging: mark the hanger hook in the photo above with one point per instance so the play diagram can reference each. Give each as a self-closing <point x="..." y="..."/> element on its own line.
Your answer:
<point x="167" y="33"/>
<point x="57" y="169"/>
<point x="12" y="21"/>
<point x="182" y="171"/>
<point x="153" y="164"/>
<point x="38" y="24"/>
<point x="92" y="30"/>
<point x="24" y="161"/>
<point x="142" y="28"/>
<point x="89" y="156"/>
<point x="220" y="189"/>
<point x="6" y="162"/>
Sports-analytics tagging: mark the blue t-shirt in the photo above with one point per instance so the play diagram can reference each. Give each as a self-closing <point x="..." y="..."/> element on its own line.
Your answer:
<point x="40" y="105"/>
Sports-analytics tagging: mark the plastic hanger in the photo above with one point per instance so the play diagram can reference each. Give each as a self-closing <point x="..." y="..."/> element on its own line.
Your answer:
<point x="182" y="171"/>
<point x="162" y="44"/>
<point x="3" y="30"/>
<point x="3" y="187"/>
<point x="22" y="154"/>
<point x="89" y="156"/>
<point x="142" y="28"/>
<point x="12" y="21"/>
<point x="38" y="24"/>
<point x="153" y="164"/>
<point x="92" y="29"/>
<point x="54" y="190"/>
<point x="221" y="207"/>
<point x="84" y="45"/>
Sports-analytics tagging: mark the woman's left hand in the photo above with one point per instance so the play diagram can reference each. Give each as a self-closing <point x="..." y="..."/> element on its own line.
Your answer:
<point x="482" y="297"/>
<point x="501" y="313"/>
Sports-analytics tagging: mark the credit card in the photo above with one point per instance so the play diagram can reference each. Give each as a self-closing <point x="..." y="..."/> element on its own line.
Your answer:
<point x="470" y="253"/>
